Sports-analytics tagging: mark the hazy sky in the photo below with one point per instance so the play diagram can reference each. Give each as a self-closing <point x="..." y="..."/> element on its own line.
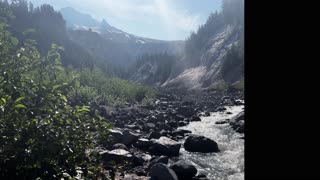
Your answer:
<point x="159" y="19"/>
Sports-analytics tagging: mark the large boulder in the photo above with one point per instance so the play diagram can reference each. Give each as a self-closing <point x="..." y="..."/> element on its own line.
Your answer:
<point x="165" y="146"/>
<point x="184" y="170"/>
<point x="117" y="155"/>
<point x="162" y="172"/>
<point x="195" y="143"/>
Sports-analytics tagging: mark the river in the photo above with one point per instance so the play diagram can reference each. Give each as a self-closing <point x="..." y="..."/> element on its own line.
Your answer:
<point x="227" y="164"/>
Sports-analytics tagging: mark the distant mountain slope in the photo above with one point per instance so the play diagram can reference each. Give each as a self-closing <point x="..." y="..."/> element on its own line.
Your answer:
<point x="110" y="44"/>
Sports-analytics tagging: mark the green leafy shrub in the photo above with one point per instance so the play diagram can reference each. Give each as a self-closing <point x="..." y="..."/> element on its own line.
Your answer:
<point x="41" y="134"/>
<point x="112" y="90"/>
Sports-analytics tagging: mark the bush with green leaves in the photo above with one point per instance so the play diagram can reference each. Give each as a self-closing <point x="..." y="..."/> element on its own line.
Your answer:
<point x="97" y="86"/>
<point x="41" y="134"/>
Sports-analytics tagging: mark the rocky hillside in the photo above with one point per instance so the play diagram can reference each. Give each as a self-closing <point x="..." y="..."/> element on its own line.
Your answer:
<point x="212" y="62"/>
<point x="213" y="55"/>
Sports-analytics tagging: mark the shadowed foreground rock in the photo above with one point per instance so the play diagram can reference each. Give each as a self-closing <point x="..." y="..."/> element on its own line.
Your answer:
<point x="156" y="160"/>
<point x="184" y="170"/>
<point x="162" y="172"/>
<point x="195" y="143"/>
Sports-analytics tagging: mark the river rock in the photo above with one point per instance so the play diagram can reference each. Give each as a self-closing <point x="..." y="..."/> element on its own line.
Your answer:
<point x="159" y="159"/>
<point x="143" y="144"/>
<point x="162" y="172"/>
<point x="196" y="143"/>
<point x="141" y="158"/>
<point x="165" y="146"/>
<point x="195" y="118"/>
<point x="184" y="170"/>
<point x="207" y="113"/>
<point x="221" y="122"/>
<point x="116" y="136"/>
<point x="119" y="146"/>
<point x="117" y="155"/>
<point x="237" y="122"/>
<point x="180" y="132"/>
<point x="186" y="111"/>
<point x="135" y="177"/>
<point x="221" y="109"/>
<point x="173" y="124"/>
<point x="129" y="137"/>
<point x="149" y="126"/>
<point x="154" y="135"/>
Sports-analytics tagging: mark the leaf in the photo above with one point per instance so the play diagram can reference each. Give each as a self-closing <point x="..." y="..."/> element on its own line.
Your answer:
<point x="64" y="98"/>
<point x="19" y="99"/>
<point x="20" y="106"/>
<point x="4" y="100"/>
<point x="56" y="86"/>
<point x="84" y="108"/>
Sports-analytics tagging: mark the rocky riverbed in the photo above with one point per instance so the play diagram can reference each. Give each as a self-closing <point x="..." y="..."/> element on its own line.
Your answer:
<point x="194" y="135"/>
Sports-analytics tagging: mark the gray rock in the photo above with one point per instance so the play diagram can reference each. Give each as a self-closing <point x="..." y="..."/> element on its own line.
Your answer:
<point x="143" y="144"/>
<point x="119" y="146"/>
<point x="116" y="136"/>
<point x="195" y="143"/>
<point x="162" y="172"/>
<point x="135" y="177"/>
<point x="154" y="135"/>
<point x="237" y="122"/>
<point x="160" y="159"/>
<point x="195" y="118"/>
<point x="180" y="132"/>
<point x="117" y="155"/>
<point x="221" y="109"/>
<point x="148" y="126"/>
<point x="184" y="170"/>
<point x="141" y="158"/>
<point x="129" y="137"/>
<point x="165" y="146"/>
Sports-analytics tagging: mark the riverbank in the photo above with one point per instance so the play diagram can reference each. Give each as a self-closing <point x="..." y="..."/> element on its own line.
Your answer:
<point x="149" y="141"/>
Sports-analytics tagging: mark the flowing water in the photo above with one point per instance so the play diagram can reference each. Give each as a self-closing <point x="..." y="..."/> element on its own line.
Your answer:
<point x="227" y="164"/>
